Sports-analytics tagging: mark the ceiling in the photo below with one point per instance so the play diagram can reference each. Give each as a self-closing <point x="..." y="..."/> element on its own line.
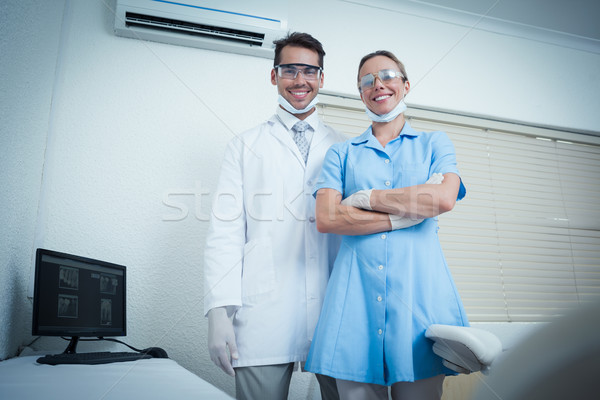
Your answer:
<point x="573" y="17"/>
<point x="569" y="23"/>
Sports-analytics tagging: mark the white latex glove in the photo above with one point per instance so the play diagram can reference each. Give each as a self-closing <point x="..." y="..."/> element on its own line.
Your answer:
<point x="360" y="199"/>
<point x="399" y="222"/>
<point x="220" y="338"/>
<point x="435" y="179"/>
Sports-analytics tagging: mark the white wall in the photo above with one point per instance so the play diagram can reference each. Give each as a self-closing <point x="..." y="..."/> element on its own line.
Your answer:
<point x="27" y="68"/>
<point x="105" y="140"/>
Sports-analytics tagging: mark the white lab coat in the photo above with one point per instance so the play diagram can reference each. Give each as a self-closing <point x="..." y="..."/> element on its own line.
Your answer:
<point x="264" y="257"/>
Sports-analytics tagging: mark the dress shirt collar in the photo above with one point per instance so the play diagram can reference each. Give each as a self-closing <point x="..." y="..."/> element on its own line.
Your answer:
<point x="289" y="120"/>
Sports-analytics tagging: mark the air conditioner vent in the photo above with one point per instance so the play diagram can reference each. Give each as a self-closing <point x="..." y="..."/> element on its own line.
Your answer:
<point x="235" y="26"/>
<point x="174" y="25"/>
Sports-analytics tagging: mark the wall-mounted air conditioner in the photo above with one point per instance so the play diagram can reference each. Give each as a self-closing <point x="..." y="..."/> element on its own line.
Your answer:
<point x="236" y="26"/>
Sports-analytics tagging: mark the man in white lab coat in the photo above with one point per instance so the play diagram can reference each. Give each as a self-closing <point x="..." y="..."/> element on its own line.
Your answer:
<point x="266" y="265"/>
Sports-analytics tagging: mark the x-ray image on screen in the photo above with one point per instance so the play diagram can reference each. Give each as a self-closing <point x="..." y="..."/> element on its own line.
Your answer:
<point x="68" y="306"/>
<point x="68" y="278"/>
<point x="108" y="284"/>
<point x="106" y="312"/>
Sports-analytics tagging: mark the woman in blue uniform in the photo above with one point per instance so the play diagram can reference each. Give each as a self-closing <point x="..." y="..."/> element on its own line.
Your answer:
<point x="383" y="191"/>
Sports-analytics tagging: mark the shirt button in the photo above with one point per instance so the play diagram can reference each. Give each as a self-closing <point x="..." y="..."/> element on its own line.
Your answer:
<point x="383" y="236"/>
<point x="311" y="219"/>
<point x="387" y="161"/>
<point x="380" y="267"/>
<point x="387" y="183"/>
<point x="379" y="298"/>
<point x="380" y="331"/>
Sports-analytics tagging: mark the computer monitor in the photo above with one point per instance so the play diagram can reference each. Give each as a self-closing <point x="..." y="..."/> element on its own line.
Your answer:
<point x="77" y="297"/>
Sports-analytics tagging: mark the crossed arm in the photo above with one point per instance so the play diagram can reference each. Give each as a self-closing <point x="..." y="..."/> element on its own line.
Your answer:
<point x="413" y="203"/>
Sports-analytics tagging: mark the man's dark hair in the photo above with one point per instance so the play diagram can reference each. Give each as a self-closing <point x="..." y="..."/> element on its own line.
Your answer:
<point x="298" y="39"/>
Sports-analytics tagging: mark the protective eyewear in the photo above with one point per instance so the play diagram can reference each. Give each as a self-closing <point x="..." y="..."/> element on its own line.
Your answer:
<point x="385" y="75"/>
<point x="290" y="71"/>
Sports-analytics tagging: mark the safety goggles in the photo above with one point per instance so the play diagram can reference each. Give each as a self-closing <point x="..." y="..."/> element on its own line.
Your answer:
<point x="290" y="71"/>
<point x="385" y="76"/>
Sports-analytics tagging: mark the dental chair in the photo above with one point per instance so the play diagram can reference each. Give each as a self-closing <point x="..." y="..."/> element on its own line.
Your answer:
<point x="464" y="349"/>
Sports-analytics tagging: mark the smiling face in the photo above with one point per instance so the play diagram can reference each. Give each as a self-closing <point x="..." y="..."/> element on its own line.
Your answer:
<point x="383" y="96"/>
<point x="298" y="92"/>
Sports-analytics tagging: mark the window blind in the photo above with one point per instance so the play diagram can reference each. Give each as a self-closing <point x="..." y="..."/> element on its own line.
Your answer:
<point x="524" y="244"/>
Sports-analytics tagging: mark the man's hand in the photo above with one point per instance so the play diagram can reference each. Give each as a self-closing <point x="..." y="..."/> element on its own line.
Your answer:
<point x="220" y="338"/>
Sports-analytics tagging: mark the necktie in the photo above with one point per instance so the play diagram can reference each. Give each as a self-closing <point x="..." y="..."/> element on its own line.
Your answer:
<point x="300" y="138"/>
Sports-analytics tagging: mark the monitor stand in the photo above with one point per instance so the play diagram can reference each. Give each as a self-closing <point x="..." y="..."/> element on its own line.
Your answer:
<point x="72" y="345"/>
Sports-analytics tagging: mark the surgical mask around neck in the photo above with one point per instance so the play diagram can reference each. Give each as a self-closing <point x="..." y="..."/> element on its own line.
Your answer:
<point x="399" y="109"/>
<point x="289" y="108"/>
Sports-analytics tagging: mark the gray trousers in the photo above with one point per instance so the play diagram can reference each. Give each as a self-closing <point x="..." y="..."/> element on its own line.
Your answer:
<point x="424" y="389"/>
<point x="272" y="382"/>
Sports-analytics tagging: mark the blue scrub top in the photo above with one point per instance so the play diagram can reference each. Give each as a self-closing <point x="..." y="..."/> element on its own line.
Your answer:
<point x="386" y="288"/>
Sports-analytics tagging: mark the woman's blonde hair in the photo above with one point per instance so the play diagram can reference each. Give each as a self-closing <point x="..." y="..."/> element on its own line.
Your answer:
<point x="384" y="53"/>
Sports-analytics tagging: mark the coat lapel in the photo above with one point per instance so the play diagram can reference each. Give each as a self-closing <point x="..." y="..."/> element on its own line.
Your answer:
<point x="280" y="133"/>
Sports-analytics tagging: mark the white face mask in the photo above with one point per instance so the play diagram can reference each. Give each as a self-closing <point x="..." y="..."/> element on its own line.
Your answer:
<point x="289" y="108"/>
<point x="399" y="109"/>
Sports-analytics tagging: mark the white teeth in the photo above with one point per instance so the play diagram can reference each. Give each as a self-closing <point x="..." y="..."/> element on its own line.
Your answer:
<point x="299" y="93"/>
<point x="382" y="97"/>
